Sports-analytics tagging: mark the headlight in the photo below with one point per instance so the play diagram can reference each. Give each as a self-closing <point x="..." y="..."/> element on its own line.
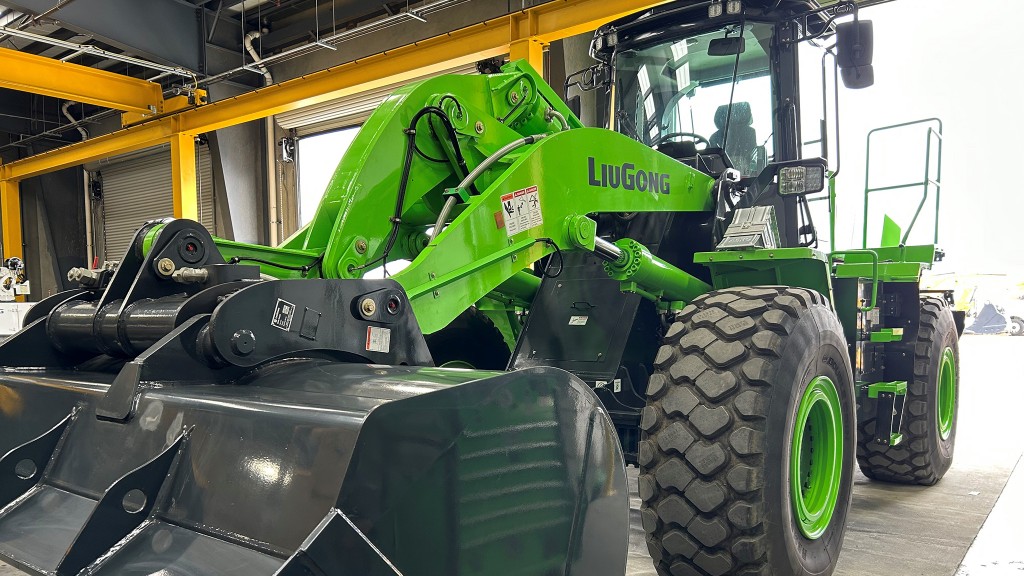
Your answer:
<point x="797" y="180"/>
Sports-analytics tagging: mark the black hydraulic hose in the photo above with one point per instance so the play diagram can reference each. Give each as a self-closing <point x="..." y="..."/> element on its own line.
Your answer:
<point x="449" y="129"/>
<point x="403" y="185"/>
<point x="304" y="269"/>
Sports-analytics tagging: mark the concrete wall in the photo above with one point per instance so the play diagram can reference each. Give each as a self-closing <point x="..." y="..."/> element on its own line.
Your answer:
<point x="239" y="173"/>
<point x="53" y="223"/>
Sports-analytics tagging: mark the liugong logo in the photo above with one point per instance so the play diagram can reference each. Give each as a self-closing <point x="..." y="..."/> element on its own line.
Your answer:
<point x="627" y="177"/>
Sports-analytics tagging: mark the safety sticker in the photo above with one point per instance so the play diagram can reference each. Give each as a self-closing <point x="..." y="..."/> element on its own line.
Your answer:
<point x="521" y="210"/>
<point x="284" y="313"/>
<point x="378" y="339"/>
<point x="578" y="320"/>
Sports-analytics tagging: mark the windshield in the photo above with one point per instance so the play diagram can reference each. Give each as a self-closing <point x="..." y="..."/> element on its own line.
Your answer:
<point x="679" y="92"/>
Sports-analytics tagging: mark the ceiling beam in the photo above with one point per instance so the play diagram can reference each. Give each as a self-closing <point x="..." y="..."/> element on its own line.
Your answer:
<point x="49" y="77"/>
<point x="160" y="30"/>
<point x="544" y="23"/>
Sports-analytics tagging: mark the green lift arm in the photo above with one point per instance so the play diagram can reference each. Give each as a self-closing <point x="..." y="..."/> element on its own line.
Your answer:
<point x="497" y="174"/>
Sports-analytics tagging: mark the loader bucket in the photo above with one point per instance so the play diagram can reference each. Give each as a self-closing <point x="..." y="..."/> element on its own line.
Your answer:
<point x="312" y="466"/>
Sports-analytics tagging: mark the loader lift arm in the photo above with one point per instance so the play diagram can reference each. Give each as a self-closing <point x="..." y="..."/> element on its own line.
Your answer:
<point x="521" y="204"/>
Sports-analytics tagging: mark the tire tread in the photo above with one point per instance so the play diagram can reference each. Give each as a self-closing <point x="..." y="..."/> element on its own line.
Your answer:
<point x="719" y="354"/>
<point x="910" y="462"/>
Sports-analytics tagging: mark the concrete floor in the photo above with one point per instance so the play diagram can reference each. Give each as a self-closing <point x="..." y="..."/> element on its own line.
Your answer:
<point x="914" y="531"/>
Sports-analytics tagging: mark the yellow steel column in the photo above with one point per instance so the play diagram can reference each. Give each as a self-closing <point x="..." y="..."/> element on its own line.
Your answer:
<point x="10" y="214"/>
<point x="183" y="176"/>
<point x="529" y="49"/>
<point x="523" y="41"/>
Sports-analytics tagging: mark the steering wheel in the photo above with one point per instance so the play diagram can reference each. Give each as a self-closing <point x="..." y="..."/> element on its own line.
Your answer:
<point x="697" y="138"/>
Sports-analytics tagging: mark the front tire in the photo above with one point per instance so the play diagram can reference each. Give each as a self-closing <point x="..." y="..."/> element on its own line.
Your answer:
<point x="747" y="383"/>
<point x="930" y="414"/>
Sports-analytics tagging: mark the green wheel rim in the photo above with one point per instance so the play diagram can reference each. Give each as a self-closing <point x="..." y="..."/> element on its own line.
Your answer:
<point x="946" y="403"/>
<point x="816" y="457"/>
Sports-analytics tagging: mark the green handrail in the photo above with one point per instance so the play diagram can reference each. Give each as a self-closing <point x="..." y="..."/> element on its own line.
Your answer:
<point x="874" y="273"/>
<point x="926" y="183"/>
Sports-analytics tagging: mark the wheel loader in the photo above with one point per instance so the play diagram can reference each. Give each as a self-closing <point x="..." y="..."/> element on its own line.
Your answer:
<point x="551" y="302"/>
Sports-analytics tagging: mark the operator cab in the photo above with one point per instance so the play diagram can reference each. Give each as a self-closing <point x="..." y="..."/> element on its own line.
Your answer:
<point x="675" y="97"/>
<point x="717" y="86"/>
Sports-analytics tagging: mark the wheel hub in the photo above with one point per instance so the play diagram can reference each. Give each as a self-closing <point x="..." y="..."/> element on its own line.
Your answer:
<point x="816" y="457"/>
<point x="946" y="401"/>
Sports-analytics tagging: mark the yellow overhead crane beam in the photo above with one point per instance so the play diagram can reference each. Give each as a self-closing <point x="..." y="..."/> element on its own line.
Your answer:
<point x="522" y="34"/>
<point x="49" y="77"/>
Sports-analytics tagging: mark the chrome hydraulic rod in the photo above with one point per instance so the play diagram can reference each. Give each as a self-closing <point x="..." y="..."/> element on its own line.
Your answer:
<point x="607" y="251"/>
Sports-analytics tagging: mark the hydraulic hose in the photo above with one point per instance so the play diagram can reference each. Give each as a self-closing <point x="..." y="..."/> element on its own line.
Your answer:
<point x="403" y="183"/>
<point x="553" y="114"/>
<point x="442" y="217"/>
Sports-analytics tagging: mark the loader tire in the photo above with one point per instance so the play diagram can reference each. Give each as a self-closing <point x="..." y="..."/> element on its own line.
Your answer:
<point x="930" y="410"/>
<point x="470" y="341"/>
<point x="1016" y="326"/>
<point x="739" y="369"/>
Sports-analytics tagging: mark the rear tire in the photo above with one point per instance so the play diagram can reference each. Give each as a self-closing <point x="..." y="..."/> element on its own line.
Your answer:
<point x="731" y="379"/>
<point x="930" y="415"/>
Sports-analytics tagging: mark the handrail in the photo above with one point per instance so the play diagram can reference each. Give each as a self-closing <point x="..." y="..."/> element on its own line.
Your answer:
<point x="874" y="274"/>
<point x="926" y="183"/>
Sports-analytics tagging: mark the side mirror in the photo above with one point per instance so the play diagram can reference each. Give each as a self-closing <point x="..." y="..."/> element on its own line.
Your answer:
<point x="727" y="46"/>
<point x="855" y="50"/>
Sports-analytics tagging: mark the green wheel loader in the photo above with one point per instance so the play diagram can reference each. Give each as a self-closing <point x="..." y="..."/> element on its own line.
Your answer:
<point x="557" y="301"/>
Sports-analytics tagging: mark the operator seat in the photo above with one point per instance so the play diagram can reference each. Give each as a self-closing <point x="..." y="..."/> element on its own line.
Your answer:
<point x="742" y="135"/>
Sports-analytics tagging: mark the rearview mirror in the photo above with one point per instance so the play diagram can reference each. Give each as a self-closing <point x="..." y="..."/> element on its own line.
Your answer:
<point x="727" y="46"/>
<point x="854" y="53"/>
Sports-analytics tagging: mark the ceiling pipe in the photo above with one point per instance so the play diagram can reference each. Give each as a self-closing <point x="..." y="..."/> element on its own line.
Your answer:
<point x="415" y="15"/>
<point x="54" y="132"/>
<point x="66" y="109"/>
<point x="256" y="60"/>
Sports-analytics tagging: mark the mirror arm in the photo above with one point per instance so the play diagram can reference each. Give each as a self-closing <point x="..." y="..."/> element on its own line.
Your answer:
<point x="824" y="107"/>
<point x="834" y="11"/>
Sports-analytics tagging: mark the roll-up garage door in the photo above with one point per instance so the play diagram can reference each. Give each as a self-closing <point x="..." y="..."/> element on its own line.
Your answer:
<point x="139" y="189"/>
<point x="347" y="110"/>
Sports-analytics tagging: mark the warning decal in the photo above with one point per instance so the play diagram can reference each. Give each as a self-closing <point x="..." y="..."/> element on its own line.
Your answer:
<point x="378" y="339"/>
<point x="284" y="312"/>
<point x="521" y="210"/>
